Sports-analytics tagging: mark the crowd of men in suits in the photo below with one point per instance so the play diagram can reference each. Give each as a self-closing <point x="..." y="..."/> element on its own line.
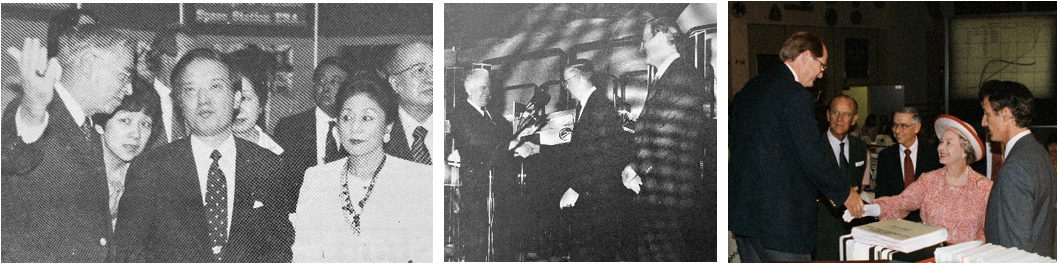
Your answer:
<point x="777" y="167"/>
<point x="640" y="196"/>
<point x="199" y="192"/>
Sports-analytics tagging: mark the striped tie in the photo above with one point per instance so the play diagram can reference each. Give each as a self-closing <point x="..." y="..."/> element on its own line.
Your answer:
<point x="419" y="148"/>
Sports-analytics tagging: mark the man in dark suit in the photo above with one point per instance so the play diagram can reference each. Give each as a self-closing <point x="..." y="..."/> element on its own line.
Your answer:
<point x="408" y="70"/>
<point x="55" y="190"/>
<point x="210" y="197"/>
<point x="598" y="150"/>
<point x="777" y="166"/>
<point x="900" y="165"/>
<point x="167" y="46"/>
<point x="308" y="137"/>
<point x="481" y="138"/>
<point x="1021" y="212"/>
<point x="668" y="139"/>
<point x="850" y="156"/>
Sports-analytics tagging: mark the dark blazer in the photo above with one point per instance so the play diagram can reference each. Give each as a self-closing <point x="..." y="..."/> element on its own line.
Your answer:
<point x="161" y="217"/>
<point x="599" y="149"/>
<point x="1021" y="212"/>
<point x="890" y="178"/>
<point x="777" y="167"/>
<point x="398" y="146"/>
<point x="297" y="135"/>
<point x="481" y="143"/>
<point x="668" y="142"/>
<point x="830" y="224"/>
<point x="55" y="198"/>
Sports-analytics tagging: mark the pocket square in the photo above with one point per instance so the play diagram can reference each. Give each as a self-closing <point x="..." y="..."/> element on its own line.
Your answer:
<point x="859" y="164"/>
<point x="257" y="204"/>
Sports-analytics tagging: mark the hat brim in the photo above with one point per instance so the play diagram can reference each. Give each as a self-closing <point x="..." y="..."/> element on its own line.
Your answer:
<point x="942" y="122"/>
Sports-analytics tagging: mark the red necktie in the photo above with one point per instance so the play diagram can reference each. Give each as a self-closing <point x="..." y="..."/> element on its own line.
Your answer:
<point x="908" y="168"/>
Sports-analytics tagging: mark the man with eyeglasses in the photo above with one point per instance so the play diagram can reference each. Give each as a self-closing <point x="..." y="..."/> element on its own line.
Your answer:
<point x="850" y="156"/>
<point x="55" y="190"/>
<point x="409" y="71"/>
<point x="777" y="166"/>
<point x="899" y="165"/>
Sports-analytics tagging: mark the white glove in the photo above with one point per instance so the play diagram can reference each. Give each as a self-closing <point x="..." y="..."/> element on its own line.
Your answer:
<point x="870" y="210"/>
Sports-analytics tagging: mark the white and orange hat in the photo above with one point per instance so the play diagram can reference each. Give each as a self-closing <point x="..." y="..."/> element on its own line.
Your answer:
<point x="944" y="122"/>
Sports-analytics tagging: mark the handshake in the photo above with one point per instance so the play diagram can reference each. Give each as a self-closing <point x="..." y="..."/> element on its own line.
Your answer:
<point x="868" y="210"/>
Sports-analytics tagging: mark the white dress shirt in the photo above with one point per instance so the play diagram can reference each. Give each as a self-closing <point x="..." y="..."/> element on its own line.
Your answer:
<point x="665" y="65"/>
<point x="409" y="124"/>
<point x="31" y="134"/>
<point x="166" y="101"/>
<point x="1012" y="142"/>
<point x="322" y="127"/>
<point x="584" y="99"/>
<point x="901" y="153"/>
<point x="201" y="152"/>
<point x="792" y="72"/>
<point x="473" y="105"/>
<point x="265" y="141"/>
<point x="832" y="140"/>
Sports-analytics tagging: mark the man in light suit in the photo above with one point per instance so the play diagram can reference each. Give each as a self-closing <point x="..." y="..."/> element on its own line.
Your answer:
<point x="777" y="166"/>
<point x="1021" y="212"/>
<point x="598" y="150"/>
<point x="850" y="156"/>
<point x="408" y="70"/>
<point x="210" y="197"/>
<point x="669" y="135"/>
<point x="900" y="165"/>
<point x="55" y="189"/>
<point x="481" y="138"/>
<point x="308" y="138"/>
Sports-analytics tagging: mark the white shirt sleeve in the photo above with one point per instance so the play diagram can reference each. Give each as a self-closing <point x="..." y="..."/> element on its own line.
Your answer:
<point x="28" y="133"/>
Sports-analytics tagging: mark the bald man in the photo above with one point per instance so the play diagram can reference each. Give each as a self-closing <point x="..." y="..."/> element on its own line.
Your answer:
<point x="481" y="138"/>
<point x="408" y="70"/>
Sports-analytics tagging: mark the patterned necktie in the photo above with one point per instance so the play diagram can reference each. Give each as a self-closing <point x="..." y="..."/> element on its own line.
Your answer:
<point x="332" y="152"/>
<point x="419" y="148"/>
<point x="87" y="129"/>
<point x="843" y="162"/>
<point x="487" y="114"/>
<point x="908" y="168"/>
<point x="217" y="206"/>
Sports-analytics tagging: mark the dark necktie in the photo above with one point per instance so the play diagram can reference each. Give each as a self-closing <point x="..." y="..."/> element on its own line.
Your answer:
<point x="843" y="163"/>
<point x="419" y="148"/>
<point x="908" y="168"/>
<point x="332" y="152"/>
<point x="217" y="206"/>
<point x="87" y="129"/>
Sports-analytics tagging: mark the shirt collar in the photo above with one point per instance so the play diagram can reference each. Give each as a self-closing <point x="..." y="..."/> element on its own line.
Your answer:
<point x="473" y="105"/>
<point x="792" y="72"/>
<point x="321" y="115"/>
<point x="666" y="64"/>
<point x="75" y="109"/>
<point x="833" y="140"/>
<point x="162" y="88"/>
<point x="585" y="98"/>
<point x="201" y="149"/>
<point x="912" y="148"/>
<point x="1012" y="142"/>
<point x="408" y="122"/>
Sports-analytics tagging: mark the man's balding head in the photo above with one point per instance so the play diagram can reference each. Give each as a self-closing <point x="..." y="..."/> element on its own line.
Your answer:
<point x="408" y="70"/>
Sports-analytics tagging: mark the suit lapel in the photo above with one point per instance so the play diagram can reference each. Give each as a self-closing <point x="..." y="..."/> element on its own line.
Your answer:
<point x="398" y="146"/>
<point x="828" y="147"/>
<point x="246" y="171"/>
<point x="186" y="185"/>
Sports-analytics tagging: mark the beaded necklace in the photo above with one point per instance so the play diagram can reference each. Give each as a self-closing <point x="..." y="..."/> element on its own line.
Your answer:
<point x="353" y="214"/>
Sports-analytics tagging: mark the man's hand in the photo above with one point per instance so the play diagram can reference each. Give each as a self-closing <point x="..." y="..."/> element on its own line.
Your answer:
<point x="569" y="198"/>
<point x="630" y="179"/>
<point x="854" y="205"/>
<point x="39" y="75"/>
<point x="527" y="149"/>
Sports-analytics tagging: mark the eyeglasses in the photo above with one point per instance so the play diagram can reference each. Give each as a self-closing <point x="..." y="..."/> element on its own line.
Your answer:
<point x="837" y="113"/>
<point x="902" y="126"/>
<point x="423" y="69"/>
<point x="823" y="65"/>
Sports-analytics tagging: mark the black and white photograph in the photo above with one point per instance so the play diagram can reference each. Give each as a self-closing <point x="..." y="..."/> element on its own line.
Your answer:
<point x="580" y="132"/>
<point x="892" y="131"/>
<point x="217" y="132"/>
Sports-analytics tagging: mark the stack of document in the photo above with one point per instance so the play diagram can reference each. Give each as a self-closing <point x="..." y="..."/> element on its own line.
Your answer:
<point x="977" y="252"/>
<point x="900" y="235"/>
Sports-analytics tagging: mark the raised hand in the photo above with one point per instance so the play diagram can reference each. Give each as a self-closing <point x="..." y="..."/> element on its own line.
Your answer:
<point x="854" y="205"/>
<point x="39" y="75"/>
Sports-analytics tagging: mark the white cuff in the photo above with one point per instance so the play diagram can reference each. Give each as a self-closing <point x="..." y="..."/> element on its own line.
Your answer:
<point x="28" y="133"/>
